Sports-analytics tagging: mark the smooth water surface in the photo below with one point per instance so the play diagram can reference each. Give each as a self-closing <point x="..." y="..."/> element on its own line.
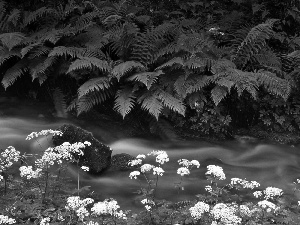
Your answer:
<point x="270" y="165"/>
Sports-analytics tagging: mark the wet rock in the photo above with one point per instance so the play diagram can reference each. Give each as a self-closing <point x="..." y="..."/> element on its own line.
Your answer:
<point x="120" y="162"/>
<point x="97" y="156"/>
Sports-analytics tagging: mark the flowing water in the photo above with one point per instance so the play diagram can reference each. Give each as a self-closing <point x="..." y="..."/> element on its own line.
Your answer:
<point x="270" y="165"/>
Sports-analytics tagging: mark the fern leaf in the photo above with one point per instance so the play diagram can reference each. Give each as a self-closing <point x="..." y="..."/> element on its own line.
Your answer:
<point x="39" y="13"/>
<point x="176" y="60"/>
<point x="121" y="69"/>
<point x="39" y="51"/>
<point x="147" y="78"/>
<point x="14" y="17"/>
<point x="89" y="63"/>
<point x="88" y="101"/>
<point x="39" y="71"/>
<point x="218" y="93"/>
<point x="180" y="87"/>
<point x="64" y="51"/>
<point x="27" y="49"/>
<point x="5" y="55"/>
<point x="274" y="84"/>
<point x="172" y="103"/>
<point x="94" y="84"/>
<point x="124" y="101"/>
<point x="11" y="40"/>
<point x="151" y="104"/>
<point x="13" y="73"/>
<point x="196" y="84"/>
<point x="59" y="103"/>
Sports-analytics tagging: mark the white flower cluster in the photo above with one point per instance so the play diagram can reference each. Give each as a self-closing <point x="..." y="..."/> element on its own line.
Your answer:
<point x="45" y="221"/>
<point x="216" y="172"/>
<point x="236" y="182"/>
<point x="85" y="168"/>
<point x="6" y="220"/>
<point x="108" y="207"/>
<point x="272" y="192"/>
<point x="208" y="188"/>
<point x="134" y="174"/>
<point x="28" y="172"/>
<point x="198" y="209"/>
<point x="54" y="155"/>
<point x="148" y="203"/>
<point x="269" y="193"/>
<point x="225" y="213"/>
<point x="44" y="133"/>
<point x="158" y="171"/>
<point x="135" y="162"/>
<point x="269" y="206"/>
<point x="184" y="170"/>
<point x="161" y="158"/>
<point x="75" y="204"/>
<point x="7" y="157"/>
<point x="146" y="168"/>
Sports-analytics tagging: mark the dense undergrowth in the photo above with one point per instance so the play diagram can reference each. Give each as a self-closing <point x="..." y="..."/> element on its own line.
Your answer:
<point x="210" y="66"/>
<point x="35" y="190"/>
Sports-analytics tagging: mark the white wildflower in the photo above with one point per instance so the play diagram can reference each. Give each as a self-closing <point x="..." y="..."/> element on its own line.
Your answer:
<point x="158" y="170"/>
<point x="134" y="174"/>
<point x="216" y="172"/>
<point x="146" y="168"/>
<point x="183" y="171"/>
<point x="85" y="168"/>
<point x="198" y="209"/>
<point x="271" y="192"/>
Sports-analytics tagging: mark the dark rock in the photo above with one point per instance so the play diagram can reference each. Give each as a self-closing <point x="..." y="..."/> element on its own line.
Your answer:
<point x="97" y="156"/>
<point x="120" y="162"/>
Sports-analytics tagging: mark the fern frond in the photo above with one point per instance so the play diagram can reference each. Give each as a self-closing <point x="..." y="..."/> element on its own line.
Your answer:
<point x="151" y="104"/>
<point x="218" y="93"/>
<point x="176" y="60"/>
<point x="267" y="58"/>
<point x="39" y="13"/>
<point x="27" y="49"/>
<point x="74" y="52"/>
<point x="197" y="63"/>
<point x="172" y="103"/>
<point x="39" y="51"/>
<point x="124" y="101"/>
<point x="180" y="86"/>
<point x="88" y="101"/>
<point x="194" y="43"/>
<point x="197" y="83"/>
<point x="242" y="80"/>
<point x="254" y="41"/>
<point x="274" y="84"/>
<point x="94" y="84"/>
<point x="14" y="17"/>
<point x="11" y="40"/>
<point x="89" y="63"/>
<point x="5" y="55"/>
<point x="59" y="103"/>
<point x="13" y="73"/>
<point x="123" y="68"/>
<point x="39" y="71"/>
<point x="147" y="78"/>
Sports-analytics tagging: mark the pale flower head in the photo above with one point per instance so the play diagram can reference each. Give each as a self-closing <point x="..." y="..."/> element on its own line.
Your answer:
<point x="158" y="171"/>
<point x="216" y="172"/>
<point x="134" y="174"/>
<point x="182" y="171"/>
<point x="146" y="168"/>
<point x="198" y="209"/>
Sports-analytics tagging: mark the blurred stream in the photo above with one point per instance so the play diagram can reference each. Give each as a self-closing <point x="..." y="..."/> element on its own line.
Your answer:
<point x="270" y="165"/>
